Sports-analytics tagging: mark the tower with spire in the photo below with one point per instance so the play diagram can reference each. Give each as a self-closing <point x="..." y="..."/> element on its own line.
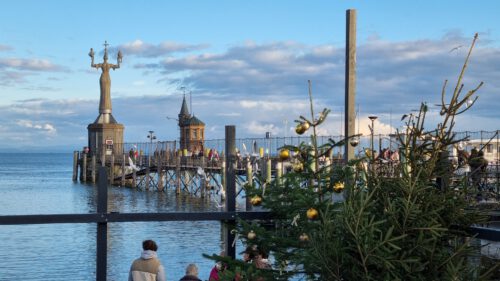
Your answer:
<point x="192" y="130"/>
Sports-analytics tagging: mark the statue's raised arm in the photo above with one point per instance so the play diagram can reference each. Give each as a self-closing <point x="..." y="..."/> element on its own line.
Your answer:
<point x="91" y="55"/>
<point x="119" y="58"/>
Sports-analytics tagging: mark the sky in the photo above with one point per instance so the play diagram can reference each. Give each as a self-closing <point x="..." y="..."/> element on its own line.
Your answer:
<point x="242" y="63"/>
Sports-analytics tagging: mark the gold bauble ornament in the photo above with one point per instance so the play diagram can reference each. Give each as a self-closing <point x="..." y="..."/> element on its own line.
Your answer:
<point x="302" y="128"/>
<point x="251" y="235"/>
<point x="256" y="200"/>
<point x="312" y="213"/>
<point x="304" y="237"/>
<point x="338" y="187"/>
<point x="284" y="154"/>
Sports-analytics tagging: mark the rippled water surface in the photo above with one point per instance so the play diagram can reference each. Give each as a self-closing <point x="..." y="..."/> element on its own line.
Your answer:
<point x="41" y="184"/>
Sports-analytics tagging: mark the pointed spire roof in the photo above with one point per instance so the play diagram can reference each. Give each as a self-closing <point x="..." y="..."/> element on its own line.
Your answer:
<point x="184" y="108"/>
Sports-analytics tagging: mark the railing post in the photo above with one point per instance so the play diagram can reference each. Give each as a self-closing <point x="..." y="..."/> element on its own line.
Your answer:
<point x="230" y="189"/>
<point x="102" y="227"/>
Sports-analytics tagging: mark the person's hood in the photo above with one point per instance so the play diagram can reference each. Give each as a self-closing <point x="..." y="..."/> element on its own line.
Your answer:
<point x="148" y="254"/>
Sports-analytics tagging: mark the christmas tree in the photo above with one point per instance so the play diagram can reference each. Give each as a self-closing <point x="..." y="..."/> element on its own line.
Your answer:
<point x="408" y="224"/>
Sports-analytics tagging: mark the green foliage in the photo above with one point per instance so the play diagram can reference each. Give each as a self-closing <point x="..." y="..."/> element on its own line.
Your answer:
<point x="405" y="227"/>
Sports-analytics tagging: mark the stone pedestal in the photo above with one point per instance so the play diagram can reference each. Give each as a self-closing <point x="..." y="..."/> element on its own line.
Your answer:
<point x="106" y="139"/>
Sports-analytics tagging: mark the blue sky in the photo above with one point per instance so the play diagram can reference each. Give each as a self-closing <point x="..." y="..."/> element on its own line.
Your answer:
<point x="246" y="63"/>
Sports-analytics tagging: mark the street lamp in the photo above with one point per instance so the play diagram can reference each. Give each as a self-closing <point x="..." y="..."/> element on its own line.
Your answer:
<point x="151" y="137"/>
<point x="372" y="118"/>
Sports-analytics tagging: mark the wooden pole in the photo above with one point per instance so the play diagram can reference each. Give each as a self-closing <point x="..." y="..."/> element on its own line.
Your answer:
<point x="350" y="82"/>
<point x="203" y="182"/>
<point x="248" y="204"/>
<point x="178" y="175"/>
<point x="124" y="159"/>
<point x="93" y="166"/>
<point x="75" y="165"/>
<point x="112" y="170"/>
<point x="230" y="247"/>
<point x="159" y="170"/>
<point x="147" y="177"/>
<point x="134" y="178"/>
<point x="84" y="167"/>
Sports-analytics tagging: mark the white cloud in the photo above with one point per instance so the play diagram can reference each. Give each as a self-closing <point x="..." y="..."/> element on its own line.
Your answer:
<point x="259" y="128"/>
<point x="29" y="64"/>
<point x="142" y="49"/>
<point x="49" y="129"/>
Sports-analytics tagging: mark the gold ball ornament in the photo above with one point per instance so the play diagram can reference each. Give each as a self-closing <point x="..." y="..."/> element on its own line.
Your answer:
<point x="312" y="213"/>
<point x="304" y="237"/>
<point x="284" y="154"/>
<point x="256" y="200"/>
<point x="251" y="235"/>
<point x="302" y="127"/>
<point x="338" y="187"/>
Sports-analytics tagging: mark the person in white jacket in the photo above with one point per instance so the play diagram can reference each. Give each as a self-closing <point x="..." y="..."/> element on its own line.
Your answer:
<point x="148" y="267"/>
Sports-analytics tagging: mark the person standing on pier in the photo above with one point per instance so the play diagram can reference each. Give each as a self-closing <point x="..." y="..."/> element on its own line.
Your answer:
<point x="148" y="267"/>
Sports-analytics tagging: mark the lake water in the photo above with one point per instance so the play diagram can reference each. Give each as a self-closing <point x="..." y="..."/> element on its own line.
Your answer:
<point x="41" y="184"/>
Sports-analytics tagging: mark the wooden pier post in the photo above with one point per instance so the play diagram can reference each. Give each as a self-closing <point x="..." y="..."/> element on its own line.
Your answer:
<point x="203" y="181"/>
<point x="112" y="170"/>
<point x="178" y="175"/>
<point x="124" y="158"/>
<point x="248" y="204"/>
<point x="134" y="178"/>
<point x="75" y="165"/>
<point x="93" y="166"/>
<point x="84" y="168"/>
<point x="159" y="170"/>
<point x="146" y="182"/>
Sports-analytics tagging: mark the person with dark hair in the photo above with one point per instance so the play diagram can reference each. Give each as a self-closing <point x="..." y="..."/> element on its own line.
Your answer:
<point x="148" y="267"/>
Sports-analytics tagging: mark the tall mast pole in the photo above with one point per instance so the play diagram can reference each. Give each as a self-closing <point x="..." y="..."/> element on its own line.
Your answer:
<point x="350" y="82"/>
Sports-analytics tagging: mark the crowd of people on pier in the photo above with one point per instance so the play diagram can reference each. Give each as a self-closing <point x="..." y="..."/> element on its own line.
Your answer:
<point x="148" y="266"/>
